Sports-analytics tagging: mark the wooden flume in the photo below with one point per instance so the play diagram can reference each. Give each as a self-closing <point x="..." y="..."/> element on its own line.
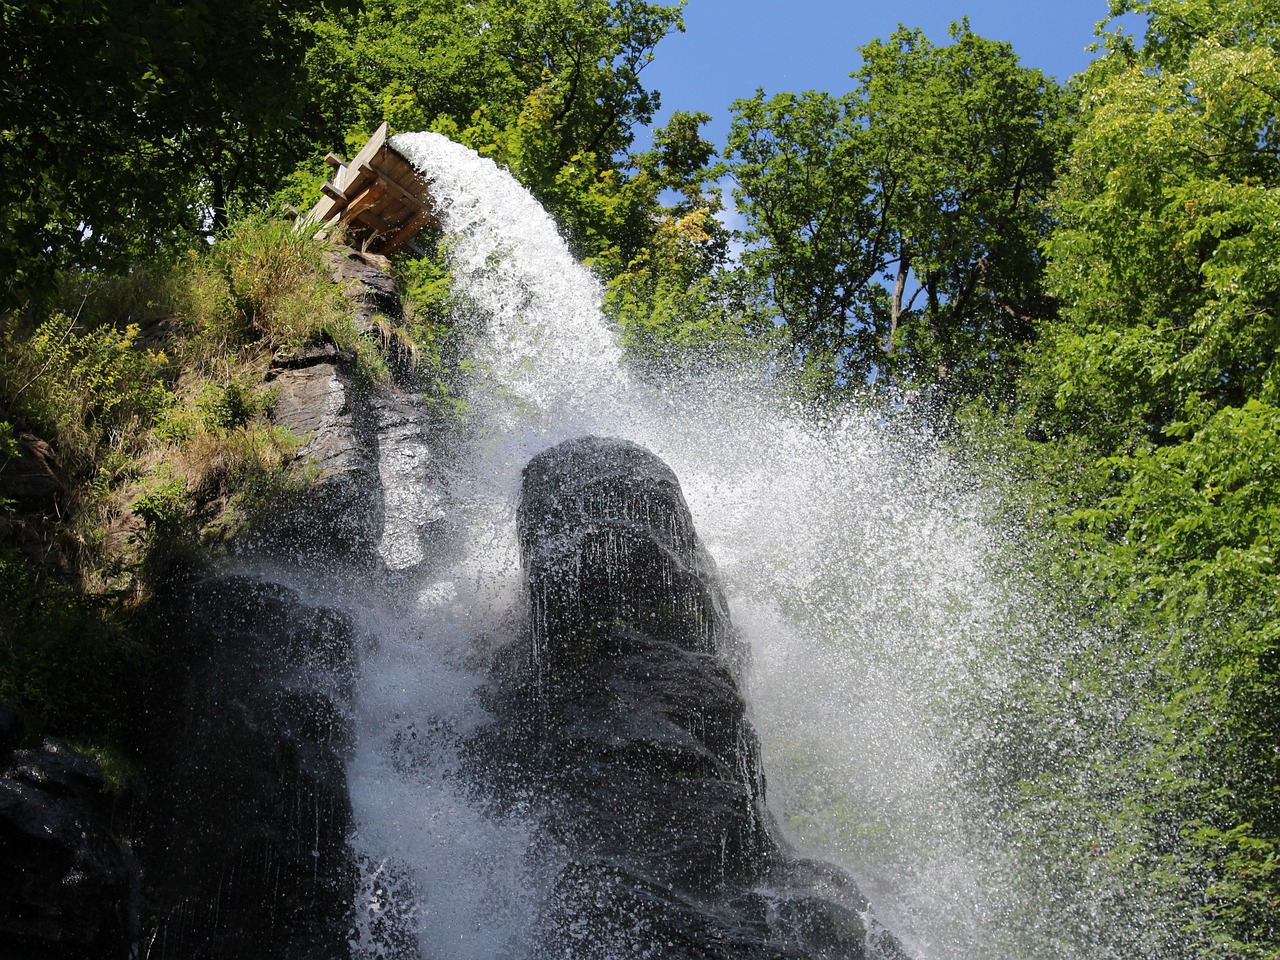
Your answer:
<point x="380" y="201"/>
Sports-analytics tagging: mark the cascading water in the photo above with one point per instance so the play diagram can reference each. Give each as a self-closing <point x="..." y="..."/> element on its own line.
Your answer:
<point x="856" y="562"/>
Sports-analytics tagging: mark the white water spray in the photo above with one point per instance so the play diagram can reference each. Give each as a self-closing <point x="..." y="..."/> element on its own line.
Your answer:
<point x="856" y="564"/>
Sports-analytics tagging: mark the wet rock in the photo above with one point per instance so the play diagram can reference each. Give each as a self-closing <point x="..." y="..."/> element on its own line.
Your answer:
<point x="414" y="523"/>
<point x="375" y="298"/>
<point x="246" y="827"/>
<point x="368" y="280"/>
<point x="607" y="538"/>
<point x="68" y="885"/>
<point x="338" y="517"/>
<point x="622" y="710"/>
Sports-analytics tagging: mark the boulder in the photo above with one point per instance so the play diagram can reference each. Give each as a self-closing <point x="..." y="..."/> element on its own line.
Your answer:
<point x="621" y="712"/>
<point x="68" y="885"/>
<point x="606" y="538"/>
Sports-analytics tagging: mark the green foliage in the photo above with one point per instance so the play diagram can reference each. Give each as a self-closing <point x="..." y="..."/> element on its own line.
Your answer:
<point x="90" y="390"/>
<point x="672" y="305"/>
<point x="549" y="88"/>
<point x="430" y="308"/>
<point x="131" y="127"/>
<point x="66" y="661"/>
<point x="150" y="389"/>
<point x="8" y="442"/>
<point x="276" y="289"/>
<point x="669" y="290"/>
<point x="1162" y="258"/>
<point x="898" y="227"/>
<point x="165" y="507"/>
<point x="1151" y="428"/>
<point x="1164" y="364"/>
<point x="1140" y="757"/>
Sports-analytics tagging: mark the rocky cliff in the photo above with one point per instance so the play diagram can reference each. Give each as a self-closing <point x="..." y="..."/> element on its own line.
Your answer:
<point x="616" y="713"/>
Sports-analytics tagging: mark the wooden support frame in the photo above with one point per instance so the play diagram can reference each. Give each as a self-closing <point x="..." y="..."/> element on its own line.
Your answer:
<point x="378" y="199"/>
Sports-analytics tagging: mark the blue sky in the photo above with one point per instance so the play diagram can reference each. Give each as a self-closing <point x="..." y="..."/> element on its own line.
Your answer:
<point x="731" y="47"/>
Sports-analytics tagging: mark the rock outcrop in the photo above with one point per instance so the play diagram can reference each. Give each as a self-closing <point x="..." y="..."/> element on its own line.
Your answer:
<point x="238" y="824"/>
<point x="622" y="711"/>
<point x="69" y="887"/>
<point x="339" y="515"/>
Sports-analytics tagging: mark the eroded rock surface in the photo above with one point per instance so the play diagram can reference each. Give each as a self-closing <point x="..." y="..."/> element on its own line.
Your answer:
<point x="339" y="515"/>
<point x="69" y="887"/>
<point x="622" y="710"/>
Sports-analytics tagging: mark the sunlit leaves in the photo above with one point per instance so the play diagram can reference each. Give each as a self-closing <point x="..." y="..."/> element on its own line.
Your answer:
<point x="1168" y="218"/>
<point x="899" y="227"/>
<point x="550" y="89"/>
<point x="1164" y="366"/>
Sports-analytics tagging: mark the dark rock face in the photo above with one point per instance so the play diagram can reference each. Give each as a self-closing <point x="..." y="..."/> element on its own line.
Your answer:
<point x="606" y="537"/>
<point x="31" y="475"/>
<point x="369" y="283"/>
<point x="339" y="516"/>
<point x="624" y="712"/>
<point x="317" y="399"/>
<point x="245" y="839"/>
<point x="69" y="888"/>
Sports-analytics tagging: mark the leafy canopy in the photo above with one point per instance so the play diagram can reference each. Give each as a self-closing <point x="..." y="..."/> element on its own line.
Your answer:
<point x="131" y="125"/>
<point x="898" y="227"/>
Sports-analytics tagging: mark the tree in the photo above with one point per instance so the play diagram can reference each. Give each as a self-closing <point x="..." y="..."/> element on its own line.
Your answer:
<point x="899" y="226"/>
<point x="670" y="293"/>
<point x="1161" y="367"/>
<point x="130" y="123"/>
<point x="549" y="88"/>
<point x="1168" y="222"/>
<point x="816" y="235"/>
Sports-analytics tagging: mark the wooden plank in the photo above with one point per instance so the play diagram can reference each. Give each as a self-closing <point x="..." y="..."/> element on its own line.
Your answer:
<point x="367" y="229"/>
<point x="379" y="197"/>
<point x="345" y="179"/>
<point x="364" y="200"/>
<point x="395" y="186"/>
<point x="364" y="158"/>
<point x="324" y="210"/>
<point x="406" y="233"/>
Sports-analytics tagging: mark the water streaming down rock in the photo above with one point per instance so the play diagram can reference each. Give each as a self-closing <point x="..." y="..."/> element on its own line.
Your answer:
<point x="857" y="569"/>
<point x="621" y="715"/>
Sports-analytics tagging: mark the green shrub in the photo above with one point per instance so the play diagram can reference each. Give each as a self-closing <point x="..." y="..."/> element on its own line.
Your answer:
<point x="151" y="388"/>
<point x="88" y="391"/>
<point x="66" y="660"/>
<point x="430" y="309"/>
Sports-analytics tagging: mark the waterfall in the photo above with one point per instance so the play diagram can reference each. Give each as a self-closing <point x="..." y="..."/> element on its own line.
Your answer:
<point x="886" y="631"/>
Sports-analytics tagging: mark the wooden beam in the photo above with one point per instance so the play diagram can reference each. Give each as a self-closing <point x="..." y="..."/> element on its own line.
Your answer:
<point x="368" y="229"/>
<point x="394" y="185"/>
<point x="406" y="233"/>
<point x="364" y="201"/>
<point x="365" y="156"/>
